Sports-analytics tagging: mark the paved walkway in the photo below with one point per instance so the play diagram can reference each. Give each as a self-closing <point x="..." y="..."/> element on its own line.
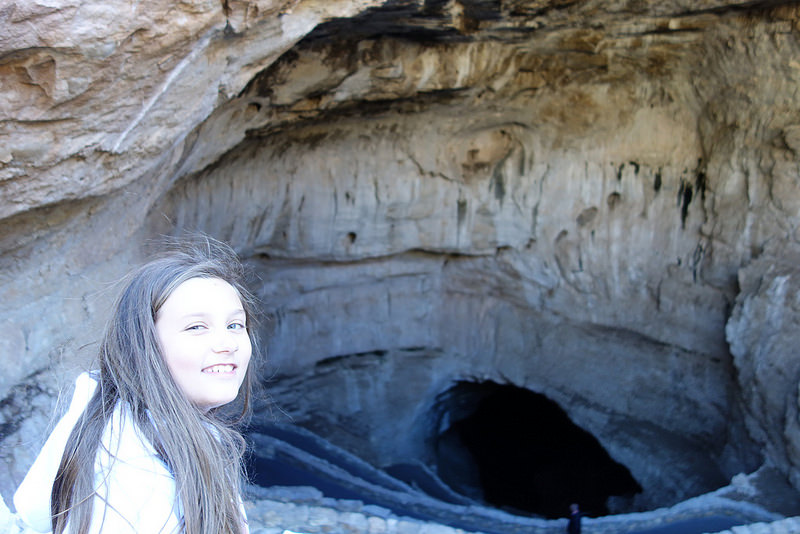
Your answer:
<point x="274" y="517"/>
<point x="318" y="516"/>
<point x="790" y="525"/>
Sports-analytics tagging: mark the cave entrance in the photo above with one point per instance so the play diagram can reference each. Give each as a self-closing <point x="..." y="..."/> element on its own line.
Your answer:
<point x="518" y="450"/>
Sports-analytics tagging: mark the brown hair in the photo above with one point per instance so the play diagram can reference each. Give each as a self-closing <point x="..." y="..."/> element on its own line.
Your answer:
<point x="202" y="450"/>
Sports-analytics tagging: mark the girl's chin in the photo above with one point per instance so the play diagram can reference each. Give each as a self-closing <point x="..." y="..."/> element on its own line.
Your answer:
<point x="205" y="404"/>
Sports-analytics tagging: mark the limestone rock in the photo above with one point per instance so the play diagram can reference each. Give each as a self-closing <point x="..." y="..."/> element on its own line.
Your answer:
<point x="164" y="66"/>
<point x="764" y="335"/>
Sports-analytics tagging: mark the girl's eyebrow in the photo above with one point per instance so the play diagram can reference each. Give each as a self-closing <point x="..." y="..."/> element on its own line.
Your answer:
<point x="233" y="312"/>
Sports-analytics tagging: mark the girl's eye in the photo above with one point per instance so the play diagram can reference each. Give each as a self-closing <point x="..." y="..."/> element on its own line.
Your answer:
<point x="236" y="326"/>
<point x="195" y="327"/>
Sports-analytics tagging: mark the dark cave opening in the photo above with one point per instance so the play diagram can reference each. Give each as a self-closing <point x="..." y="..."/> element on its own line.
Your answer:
<point x="518" y="450"/>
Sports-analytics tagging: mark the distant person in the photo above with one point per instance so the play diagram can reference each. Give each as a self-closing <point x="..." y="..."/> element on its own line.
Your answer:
<point x="144" y="447"/>
<point x="574" y="525"/>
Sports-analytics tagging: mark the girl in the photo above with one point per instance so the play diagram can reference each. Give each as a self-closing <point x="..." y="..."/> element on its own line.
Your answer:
<point x="146" y="445"/>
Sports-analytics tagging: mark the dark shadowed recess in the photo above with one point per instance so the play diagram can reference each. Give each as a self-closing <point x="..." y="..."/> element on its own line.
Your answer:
<point x="518" y="450"/>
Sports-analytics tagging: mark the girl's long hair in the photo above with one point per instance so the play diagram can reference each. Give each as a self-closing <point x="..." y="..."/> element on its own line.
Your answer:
<point x="202" y="450"/>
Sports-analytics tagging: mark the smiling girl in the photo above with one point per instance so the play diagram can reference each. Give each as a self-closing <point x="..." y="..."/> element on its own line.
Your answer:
<point x="146" y="445"/>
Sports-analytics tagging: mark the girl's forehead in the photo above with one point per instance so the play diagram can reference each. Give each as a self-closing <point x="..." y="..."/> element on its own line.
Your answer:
<point x="203" y="292"/>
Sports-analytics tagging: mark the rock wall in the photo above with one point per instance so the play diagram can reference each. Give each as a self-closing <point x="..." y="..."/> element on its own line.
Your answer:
<point x="763" y="336"/>
<point x="573" y="197"/>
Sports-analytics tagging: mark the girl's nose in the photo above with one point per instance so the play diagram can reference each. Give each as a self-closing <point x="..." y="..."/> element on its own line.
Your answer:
<point x="225" y="342"/>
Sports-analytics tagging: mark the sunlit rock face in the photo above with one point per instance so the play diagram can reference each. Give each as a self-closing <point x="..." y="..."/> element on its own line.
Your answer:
<point x="594" y="201"/>
<point x="763" y="336"/>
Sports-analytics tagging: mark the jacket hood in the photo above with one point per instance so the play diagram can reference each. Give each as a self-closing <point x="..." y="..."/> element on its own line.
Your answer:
<point x="32" y="499"/>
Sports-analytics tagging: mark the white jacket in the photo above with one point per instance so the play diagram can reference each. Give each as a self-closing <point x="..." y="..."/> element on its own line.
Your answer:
<point x="135" y="492"/>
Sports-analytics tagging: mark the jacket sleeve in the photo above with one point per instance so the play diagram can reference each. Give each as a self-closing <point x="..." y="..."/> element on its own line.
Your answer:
<point x="32" y="498"/>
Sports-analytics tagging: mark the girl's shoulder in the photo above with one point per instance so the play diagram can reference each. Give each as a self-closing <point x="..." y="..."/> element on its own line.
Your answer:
<point x="132" y="483"/>
<point x="134" y="489"/>
<point x="125" y="443"/>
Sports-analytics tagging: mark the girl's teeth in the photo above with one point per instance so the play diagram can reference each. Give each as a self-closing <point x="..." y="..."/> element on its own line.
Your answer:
<point x="220" y="369"/>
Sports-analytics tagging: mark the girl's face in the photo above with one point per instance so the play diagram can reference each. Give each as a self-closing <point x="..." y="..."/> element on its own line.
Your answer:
<point x="202" y="332"/>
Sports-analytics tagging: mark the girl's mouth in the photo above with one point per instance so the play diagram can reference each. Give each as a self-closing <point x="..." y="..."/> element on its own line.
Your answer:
<point x="220" y="368"/>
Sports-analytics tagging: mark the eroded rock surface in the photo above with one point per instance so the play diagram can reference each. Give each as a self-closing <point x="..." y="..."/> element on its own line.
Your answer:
<point x="571" y="197"/>
<point x="764" y="336"/>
